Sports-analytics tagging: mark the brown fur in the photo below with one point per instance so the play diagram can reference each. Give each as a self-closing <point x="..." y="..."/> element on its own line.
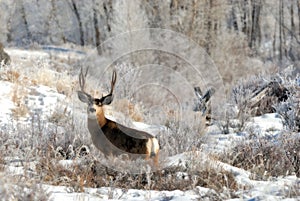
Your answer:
<point x="129" y="140"/>
<point x="123" y="141"/>
<point x="100" y="116"/>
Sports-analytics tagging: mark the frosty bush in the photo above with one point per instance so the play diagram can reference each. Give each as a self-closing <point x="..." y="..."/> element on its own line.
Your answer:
<point x="21" y="189"/>
<point x="290" y="108"/>
<point x="237" y="111"/>
<point x="265" y="156"/>
<point x="258" y="95"/>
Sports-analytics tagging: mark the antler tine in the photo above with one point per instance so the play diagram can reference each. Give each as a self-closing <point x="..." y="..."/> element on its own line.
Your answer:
<point x="82" y="77"/>
<point x="113" y="81"/>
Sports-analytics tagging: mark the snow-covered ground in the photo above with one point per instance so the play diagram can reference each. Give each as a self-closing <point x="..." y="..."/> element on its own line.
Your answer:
<point x="45" y="100"/>
<point x="106" y="193"/>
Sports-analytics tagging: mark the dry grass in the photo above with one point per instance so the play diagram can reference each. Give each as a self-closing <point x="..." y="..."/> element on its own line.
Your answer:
<point x="46" y="77"/>
<point x="18" y="95"/>
<point x="293" y="191"/>
<point x="21" y="111"/>
<point x="65" y="86"/>
<point x="21" y="188"/>
<point x="10" y="76"/>
<point x="92" y="173"/>
<point x="265" y="157"/>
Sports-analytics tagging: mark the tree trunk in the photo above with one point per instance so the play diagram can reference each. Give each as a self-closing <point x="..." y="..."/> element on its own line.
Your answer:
<point x="96" y="28"/>
<point x="208" y="22"/>
<point x="280" y="29"/>
<point x="255" y="35"/>
<point x="28" y="35"/>
<point x="298" y="6"/>
<point x="79" y="23"/>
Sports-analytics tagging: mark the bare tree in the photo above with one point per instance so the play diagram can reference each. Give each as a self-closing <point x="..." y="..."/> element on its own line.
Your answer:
<point x="76" y="12"/>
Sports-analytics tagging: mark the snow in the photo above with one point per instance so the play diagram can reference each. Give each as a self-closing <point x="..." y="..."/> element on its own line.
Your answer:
<point x="270" y="190"/>
<point x="41" y="100"/>
<point x="107" y="193"/>
<point x="268" y="122"/>
<point x="44" y="99"/>
<point x="265" y="125"/>
<point x="27" y="54"/>
<point x="6" y="103"/>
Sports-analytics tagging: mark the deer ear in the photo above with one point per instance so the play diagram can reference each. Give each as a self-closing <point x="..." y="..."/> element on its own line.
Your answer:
<point x="84" y="97"/>
<point x="107" y="99"/>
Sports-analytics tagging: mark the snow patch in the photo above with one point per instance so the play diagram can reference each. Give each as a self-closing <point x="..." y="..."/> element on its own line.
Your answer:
<point x="268" y="122"/>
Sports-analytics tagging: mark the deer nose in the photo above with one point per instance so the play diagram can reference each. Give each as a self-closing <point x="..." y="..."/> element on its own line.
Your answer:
<point x="92" y="109"/>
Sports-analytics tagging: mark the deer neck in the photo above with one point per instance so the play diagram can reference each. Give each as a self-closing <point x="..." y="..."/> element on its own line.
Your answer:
<point x="100" y="116"/>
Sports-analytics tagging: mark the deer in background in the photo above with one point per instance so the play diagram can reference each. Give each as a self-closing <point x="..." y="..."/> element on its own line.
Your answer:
<point x="110" y="137"/>
<point x="203" y="103"/>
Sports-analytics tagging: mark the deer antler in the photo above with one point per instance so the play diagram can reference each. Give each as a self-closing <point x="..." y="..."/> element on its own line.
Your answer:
<point x="82" y="77"/>
<point x="113" y="81"/>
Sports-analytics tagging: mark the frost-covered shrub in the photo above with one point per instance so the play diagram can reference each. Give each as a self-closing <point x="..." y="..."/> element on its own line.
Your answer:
<point x="259" y="95"/>
<point x="182" y="136"/>
<point x="290" y="108"/>
<point x="289" y="111"/>
<point x="265" y="156"/>
<point x="237" y="111"/>
<point x="20" y="189"/>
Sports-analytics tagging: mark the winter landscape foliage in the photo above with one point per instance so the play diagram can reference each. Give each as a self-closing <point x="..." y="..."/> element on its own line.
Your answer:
<point x="244" y="144"/>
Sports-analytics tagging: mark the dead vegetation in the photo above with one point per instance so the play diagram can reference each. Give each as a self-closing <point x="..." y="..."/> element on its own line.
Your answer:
<point x="258" y="95"/>
<point x="92" y="173"/>
<point x="267" y="157"/>
<point x="21" y="188"/>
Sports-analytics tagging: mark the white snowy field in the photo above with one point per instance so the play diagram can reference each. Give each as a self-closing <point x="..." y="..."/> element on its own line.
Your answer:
<point x="22" y="100"/>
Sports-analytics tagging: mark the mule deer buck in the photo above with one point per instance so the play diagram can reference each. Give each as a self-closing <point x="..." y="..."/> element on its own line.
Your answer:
<point x="110" y="137"/>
